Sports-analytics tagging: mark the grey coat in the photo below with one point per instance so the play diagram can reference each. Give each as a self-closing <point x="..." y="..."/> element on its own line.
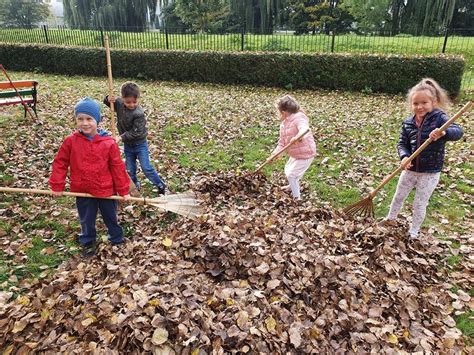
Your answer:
<point x="131" y="124"/>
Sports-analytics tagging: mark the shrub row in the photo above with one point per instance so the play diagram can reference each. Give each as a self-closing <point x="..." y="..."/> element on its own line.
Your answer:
<point x="359" y="72"/>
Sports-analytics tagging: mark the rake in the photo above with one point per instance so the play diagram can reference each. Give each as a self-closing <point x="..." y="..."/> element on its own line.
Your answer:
<point x="110" y="83"/>
<point x="133" y="188"/>
<point x="365" y="207"/>
<point x="184" y="204"/>
<point x="25" y="105"/>
<point x="280" y="152"/>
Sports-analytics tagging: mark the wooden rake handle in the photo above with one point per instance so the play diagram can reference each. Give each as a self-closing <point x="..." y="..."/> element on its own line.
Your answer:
<point x="113" y="129"/>
<point x="27" y="108"/>
<point x="421" y="148"/>
<point x="285" y="148"/>
<point x="111" y="84"/>
<point x="146" y="201"/>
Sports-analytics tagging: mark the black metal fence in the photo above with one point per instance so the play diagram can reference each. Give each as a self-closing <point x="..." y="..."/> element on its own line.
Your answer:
<point x="452" y="41"/>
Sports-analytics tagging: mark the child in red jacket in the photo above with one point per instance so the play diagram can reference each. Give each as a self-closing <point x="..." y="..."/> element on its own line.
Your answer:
<point x="96" y="167"/>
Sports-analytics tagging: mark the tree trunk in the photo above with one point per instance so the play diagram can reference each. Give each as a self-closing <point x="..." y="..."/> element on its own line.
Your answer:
<point x="396" y="7"/>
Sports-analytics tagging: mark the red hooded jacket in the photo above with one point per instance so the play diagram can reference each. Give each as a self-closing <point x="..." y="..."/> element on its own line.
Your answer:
<point x="95" y="166"/>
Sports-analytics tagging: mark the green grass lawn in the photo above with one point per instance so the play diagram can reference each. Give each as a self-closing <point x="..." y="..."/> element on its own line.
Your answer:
<point x="205" y="127"/>
<point x="251" y="42"/>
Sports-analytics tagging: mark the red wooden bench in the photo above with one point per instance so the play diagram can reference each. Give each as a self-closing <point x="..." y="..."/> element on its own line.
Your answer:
<point x="27" y="90"/>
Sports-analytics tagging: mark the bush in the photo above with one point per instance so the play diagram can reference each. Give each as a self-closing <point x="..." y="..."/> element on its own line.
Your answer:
<point x="381" y="73"/>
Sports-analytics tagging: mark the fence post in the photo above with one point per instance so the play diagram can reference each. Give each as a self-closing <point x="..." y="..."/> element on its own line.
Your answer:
<point x="102" y="36"/>
<point x="242" y="38"/>
<point x="166" y="36"/>
<point x="446" y="34"/>
<point x="333" y="40"/>
<point x="45" y="30"/>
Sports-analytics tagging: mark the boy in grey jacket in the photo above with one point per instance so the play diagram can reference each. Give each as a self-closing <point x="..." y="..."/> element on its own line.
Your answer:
<point x="131" y="124"/>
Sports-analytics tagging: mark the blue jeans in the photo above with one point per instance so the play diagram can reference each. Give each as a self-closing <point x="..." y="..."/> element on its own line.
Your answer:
<point x="87" y="208"/>
<point x="140" y="152"/>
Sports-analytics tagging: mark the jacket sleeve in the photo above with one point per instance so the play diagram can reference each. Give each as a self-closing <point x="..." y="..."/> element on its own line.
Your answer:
<point x="403" y="145"/>
<point x="117" y="169"/>
<point x="118" y="102"/>
<point x="138" y="129"/>
<point x="106" y="101"/>
<point x="454" y="132"/>
<point x="57" y="180"/>
<point x="302" y="124"/>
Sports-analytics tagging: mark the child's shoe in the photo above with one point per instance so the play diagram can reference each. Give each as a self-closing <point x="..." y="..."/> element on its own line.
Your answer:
<point x="121" y="241"/>
<point x="413" y="235"/>
<point x="89" y="250"/>
<point x="162" y="190"/>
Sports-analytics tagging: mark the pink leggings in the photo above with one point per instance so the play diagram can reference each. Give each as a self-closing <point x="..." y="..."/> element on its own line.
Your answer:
<point x="424" y="184"/>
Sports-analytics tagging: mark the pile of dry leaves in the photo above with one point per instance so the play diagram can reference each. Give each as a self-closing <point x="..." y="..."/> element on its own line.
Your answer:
<point x="258" y="273"/>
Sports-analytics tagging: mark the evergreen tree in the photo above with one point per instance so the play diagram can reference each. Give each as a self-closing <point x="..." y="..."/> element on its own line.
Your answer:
<point x="319" y="15"/>
<point x="370" y="15"/>
<point x="329" y="16"/>
<point x="203" y="15"/>
<point x="23" y="13"/>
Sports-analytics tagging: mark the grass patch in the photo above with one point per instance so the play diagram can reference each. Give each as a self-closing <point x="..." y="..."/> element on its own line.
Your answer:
<point x="454" y="260"/>
<point x="37" y="256"/>
<point x="465" y="323"/>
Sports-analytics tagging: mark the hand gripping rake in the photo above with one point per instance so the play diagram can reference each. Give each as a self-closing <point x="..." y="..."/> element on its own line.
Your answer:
<point x="365" y="207"/>
<point x="280" y="152"/>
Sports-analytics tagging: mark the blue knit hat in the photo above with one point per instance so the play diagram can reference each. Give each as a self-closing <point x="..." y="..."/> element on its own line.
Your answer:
<point x="89" y="107"/>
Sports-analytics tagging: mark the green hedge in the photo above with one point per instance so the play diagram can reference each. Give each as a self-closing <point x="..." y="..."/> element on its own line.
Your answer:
<point x="369" y="72"/>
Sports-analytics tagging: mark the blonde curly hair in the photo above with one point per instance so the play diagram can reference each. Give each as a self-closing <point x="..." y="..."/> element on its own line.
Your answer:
<point x="437" y="93"/>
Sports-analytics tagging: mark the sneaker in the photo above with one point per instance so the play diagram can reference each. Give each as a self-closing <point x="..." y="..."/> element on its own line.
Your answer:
<point x="89" y="250"/>
<point x="413" y="235"/>
<point x="162" y="190"/>
<point x="118" y="242"/>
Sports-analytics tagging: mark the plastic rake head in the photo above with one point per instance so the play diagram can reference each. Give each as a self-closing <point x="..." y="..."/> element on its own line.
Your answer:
<point x="184" y="204"/>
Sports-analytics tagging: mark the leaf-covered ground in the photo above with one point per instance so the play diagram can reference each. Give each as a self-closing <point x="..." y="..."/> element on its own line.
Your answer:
<point x="258" y="273"/>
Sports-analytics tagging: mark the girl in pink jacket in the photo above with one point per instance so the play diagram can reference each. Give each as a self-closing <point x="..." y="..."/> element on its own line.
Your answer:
<point x="302" y="153"/>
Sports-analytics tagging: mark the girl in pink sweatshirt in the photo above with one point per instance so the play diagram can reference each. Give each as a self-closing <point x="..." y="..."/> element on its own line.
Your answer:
<point x="293" y="122"/>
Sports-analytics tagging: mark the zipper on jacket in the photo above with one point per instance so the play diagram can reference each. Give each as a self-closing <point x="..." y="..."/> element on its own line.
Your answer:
<point x="418" y="139"/>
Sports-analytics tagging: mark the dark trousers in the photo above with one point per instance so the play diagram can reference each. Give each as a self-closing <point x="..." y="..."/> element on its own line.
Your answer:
<point x="87" y="208"/>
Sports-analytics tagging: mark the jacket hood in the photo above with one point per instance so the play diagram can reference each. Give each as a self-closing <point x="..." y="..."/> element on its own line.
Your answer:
<point x="101" y="134"/>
